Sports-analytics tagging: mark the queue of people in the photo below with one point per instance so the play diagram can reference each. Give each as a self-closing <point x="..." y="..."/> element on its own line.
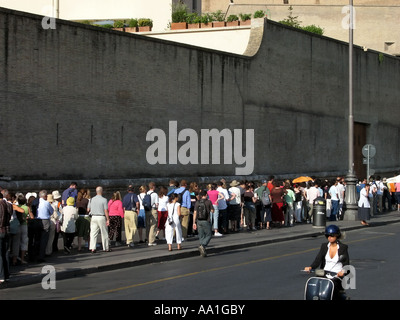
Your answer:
<point x="36" y="221"/>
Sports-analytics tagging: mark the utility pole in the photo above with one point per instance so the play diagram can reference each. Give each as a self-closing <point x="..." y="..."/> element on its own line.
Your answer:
<point x="351" y="212"/>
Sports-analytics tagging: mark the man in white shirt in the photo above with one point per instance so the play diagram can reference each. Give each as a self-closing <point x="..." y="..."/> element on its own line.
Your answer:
<point x="333" y="192"/>
<point x="98" y="208"/>
<point x="312" y="193"/>
<point x="341" y="189"/>
<point x="379" y="193"/>
<point x="373" y="190"/>
<point x="152" y="216"/>
<point x="234" y="207"/>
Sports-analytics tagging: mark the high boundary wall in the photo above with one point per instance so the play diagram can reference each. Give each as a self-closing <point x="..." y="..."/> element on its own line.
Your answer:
<point x="78" y="101"/>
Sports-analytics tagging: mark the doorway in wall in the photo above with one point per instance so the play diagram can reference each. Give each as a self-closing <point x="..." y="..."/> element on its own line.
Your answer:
<point x="360" y="140"/>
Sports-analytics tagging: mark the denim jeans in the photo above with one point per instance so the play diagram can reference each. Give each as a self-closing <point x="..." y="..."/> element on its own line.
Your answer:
<point x="334" y="210"/>
<point x="214" y="217"/>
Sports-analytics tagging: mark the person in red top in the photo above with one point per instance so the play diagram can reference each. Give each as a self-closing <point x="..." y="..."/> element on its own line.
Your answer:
<point x="277" y="194"/>
<point x="270" y="184"/>
<point x="116" y="214"/>
<point x="214" y="196"/>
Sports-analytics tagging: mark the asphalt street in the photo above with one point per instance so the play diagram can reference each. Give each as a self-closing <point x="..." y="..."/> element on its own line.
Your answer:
<point x="266" y="272"/>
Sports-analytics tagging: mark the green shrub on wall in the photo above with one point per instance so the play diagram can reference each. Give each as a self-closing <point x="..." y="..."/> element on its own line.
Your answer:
<point x="179" y="12"/>
<point x="145" y="22"/>
<point x="232" y="17"/>
<point x="314" y="29"/>
<point x="259" y="14"/>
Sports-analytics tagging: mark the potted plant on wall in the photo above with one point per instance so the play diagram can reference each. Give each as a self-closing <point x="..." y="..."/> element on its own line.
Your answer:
<point x="218" y="18"/>
<point x="193" y="20"/>
<point x="206" y="21"/>
<point x="232" y="21"/>
<point x="259" y="14"/>
<point x="245" y="19"/>
<point x="145" y="24"/>
<point x="118" y="25"/>
<point x="132" y="25"/>
<point x="179" y="16"/>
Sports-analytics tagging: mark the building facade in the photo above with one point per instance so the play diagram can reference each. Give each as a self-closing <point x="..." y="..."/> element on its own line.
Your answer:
<point x="376" y="21"/>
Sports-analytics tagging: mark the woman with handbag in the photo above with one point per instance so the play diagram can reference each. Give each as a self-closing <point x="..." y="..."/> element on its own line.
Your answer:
<point x="173" y="224"/>
<point x="364" y="205"/>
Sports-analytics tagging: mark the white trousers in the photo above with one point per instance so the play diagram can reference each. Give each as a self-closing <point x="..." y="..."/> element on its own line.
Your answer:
<point x="174" y="229"/>
<point x="98" y="224"/>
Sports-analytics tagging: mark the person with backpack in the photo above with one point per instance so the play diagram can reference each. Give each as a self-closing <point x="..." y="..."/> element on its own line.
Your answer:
<point x="264" y="195"/>
<point x="185" y="201"/>
<point x="201" y="221"/>
<point x="72" y="191"/>
<point x="150" y="203"/>
<point x="142" y="215"/>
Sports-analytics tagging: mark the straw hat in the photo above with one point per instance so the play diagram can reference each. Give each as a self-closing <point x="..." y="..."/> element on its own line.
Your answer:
<point x="56" y="194"/>
<point x="234" y="183"/>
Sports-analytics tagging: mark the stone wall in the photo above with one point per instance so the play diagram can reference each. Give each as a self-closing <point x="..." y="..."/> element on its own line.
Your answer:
<point x="79" y="102"/>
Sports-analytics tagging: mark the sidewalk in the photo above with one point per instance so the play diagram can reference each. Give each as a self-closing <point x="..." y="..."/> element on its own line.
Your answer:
<point x="76" y="264"/>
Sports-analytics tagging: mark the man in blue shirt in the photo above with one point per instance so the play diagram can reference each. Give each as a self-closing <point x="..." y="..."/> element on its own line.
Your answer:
<point x="131" y="207"/>
<point x="185" y="207"/>
<point x="72" y="191"/>
<point x="44" y="212"/>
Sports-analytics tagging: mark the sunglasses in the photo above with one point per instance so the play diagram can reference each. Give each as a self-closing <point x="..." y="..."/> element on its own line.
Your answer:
<point x="330" y="235"/>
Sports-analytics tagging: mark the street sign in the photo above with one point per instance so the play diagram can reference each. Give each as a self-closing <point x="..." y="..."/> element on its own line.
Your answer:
<point x="366" y="161"/>
<point x="369" y="151"/>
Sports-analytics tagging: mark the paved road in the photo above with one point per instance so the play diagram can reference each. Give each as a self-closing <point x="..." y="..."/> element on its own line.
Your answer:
<point x="267" y="272"/>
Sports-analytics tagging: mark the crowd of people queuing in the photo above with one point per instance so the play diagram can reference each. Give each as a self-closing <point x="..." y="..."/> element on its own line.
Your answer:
<point x="31" y="224"/>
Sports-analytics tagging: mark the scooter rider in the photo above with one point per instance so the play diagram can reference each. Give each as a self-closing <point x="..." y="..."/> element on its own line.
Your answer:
<point x="331" y="257"/>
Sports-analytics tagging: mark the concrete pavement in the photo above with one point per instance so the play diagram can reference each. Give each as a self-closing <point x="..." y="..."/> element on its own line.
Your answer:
<point x="77" y="264"/>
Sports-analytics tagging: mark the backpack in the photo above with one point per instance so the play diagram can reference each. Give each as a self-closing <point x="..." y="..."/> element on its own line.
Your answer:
<point x="180" y="196"/>
<point x="146" y="202"/>
<point x="201" y="210"/>
<point x="265" y="198"/>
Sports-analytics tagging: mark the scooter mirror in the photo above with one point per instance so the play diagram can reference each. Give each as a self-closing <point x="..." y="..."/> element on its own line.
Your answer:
<point x="342" y="258"/>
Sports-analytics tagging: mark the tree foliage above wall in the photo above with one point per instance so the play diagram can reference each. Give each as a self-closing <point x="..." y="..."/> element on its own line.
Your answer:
<point x="293" y="21"/>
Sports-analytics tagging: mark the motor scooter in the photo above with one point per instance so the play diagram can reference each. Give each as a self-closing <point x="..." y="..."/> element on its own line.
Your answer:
<point x="320" y="287"/>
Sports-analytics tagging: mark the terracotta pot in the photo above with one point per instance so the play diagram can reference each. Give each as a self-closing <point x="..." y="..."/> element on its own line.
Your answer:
<point x="206" y="25"/>
<point x="178" y="25"/>
<point x="145" y="29"/>
<point x="232" y="24"/>
<point x="131" y="29"/>
<point x="218" y="24"/>
<point x="193" y="25"/>
<point x="245" y="23"/>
